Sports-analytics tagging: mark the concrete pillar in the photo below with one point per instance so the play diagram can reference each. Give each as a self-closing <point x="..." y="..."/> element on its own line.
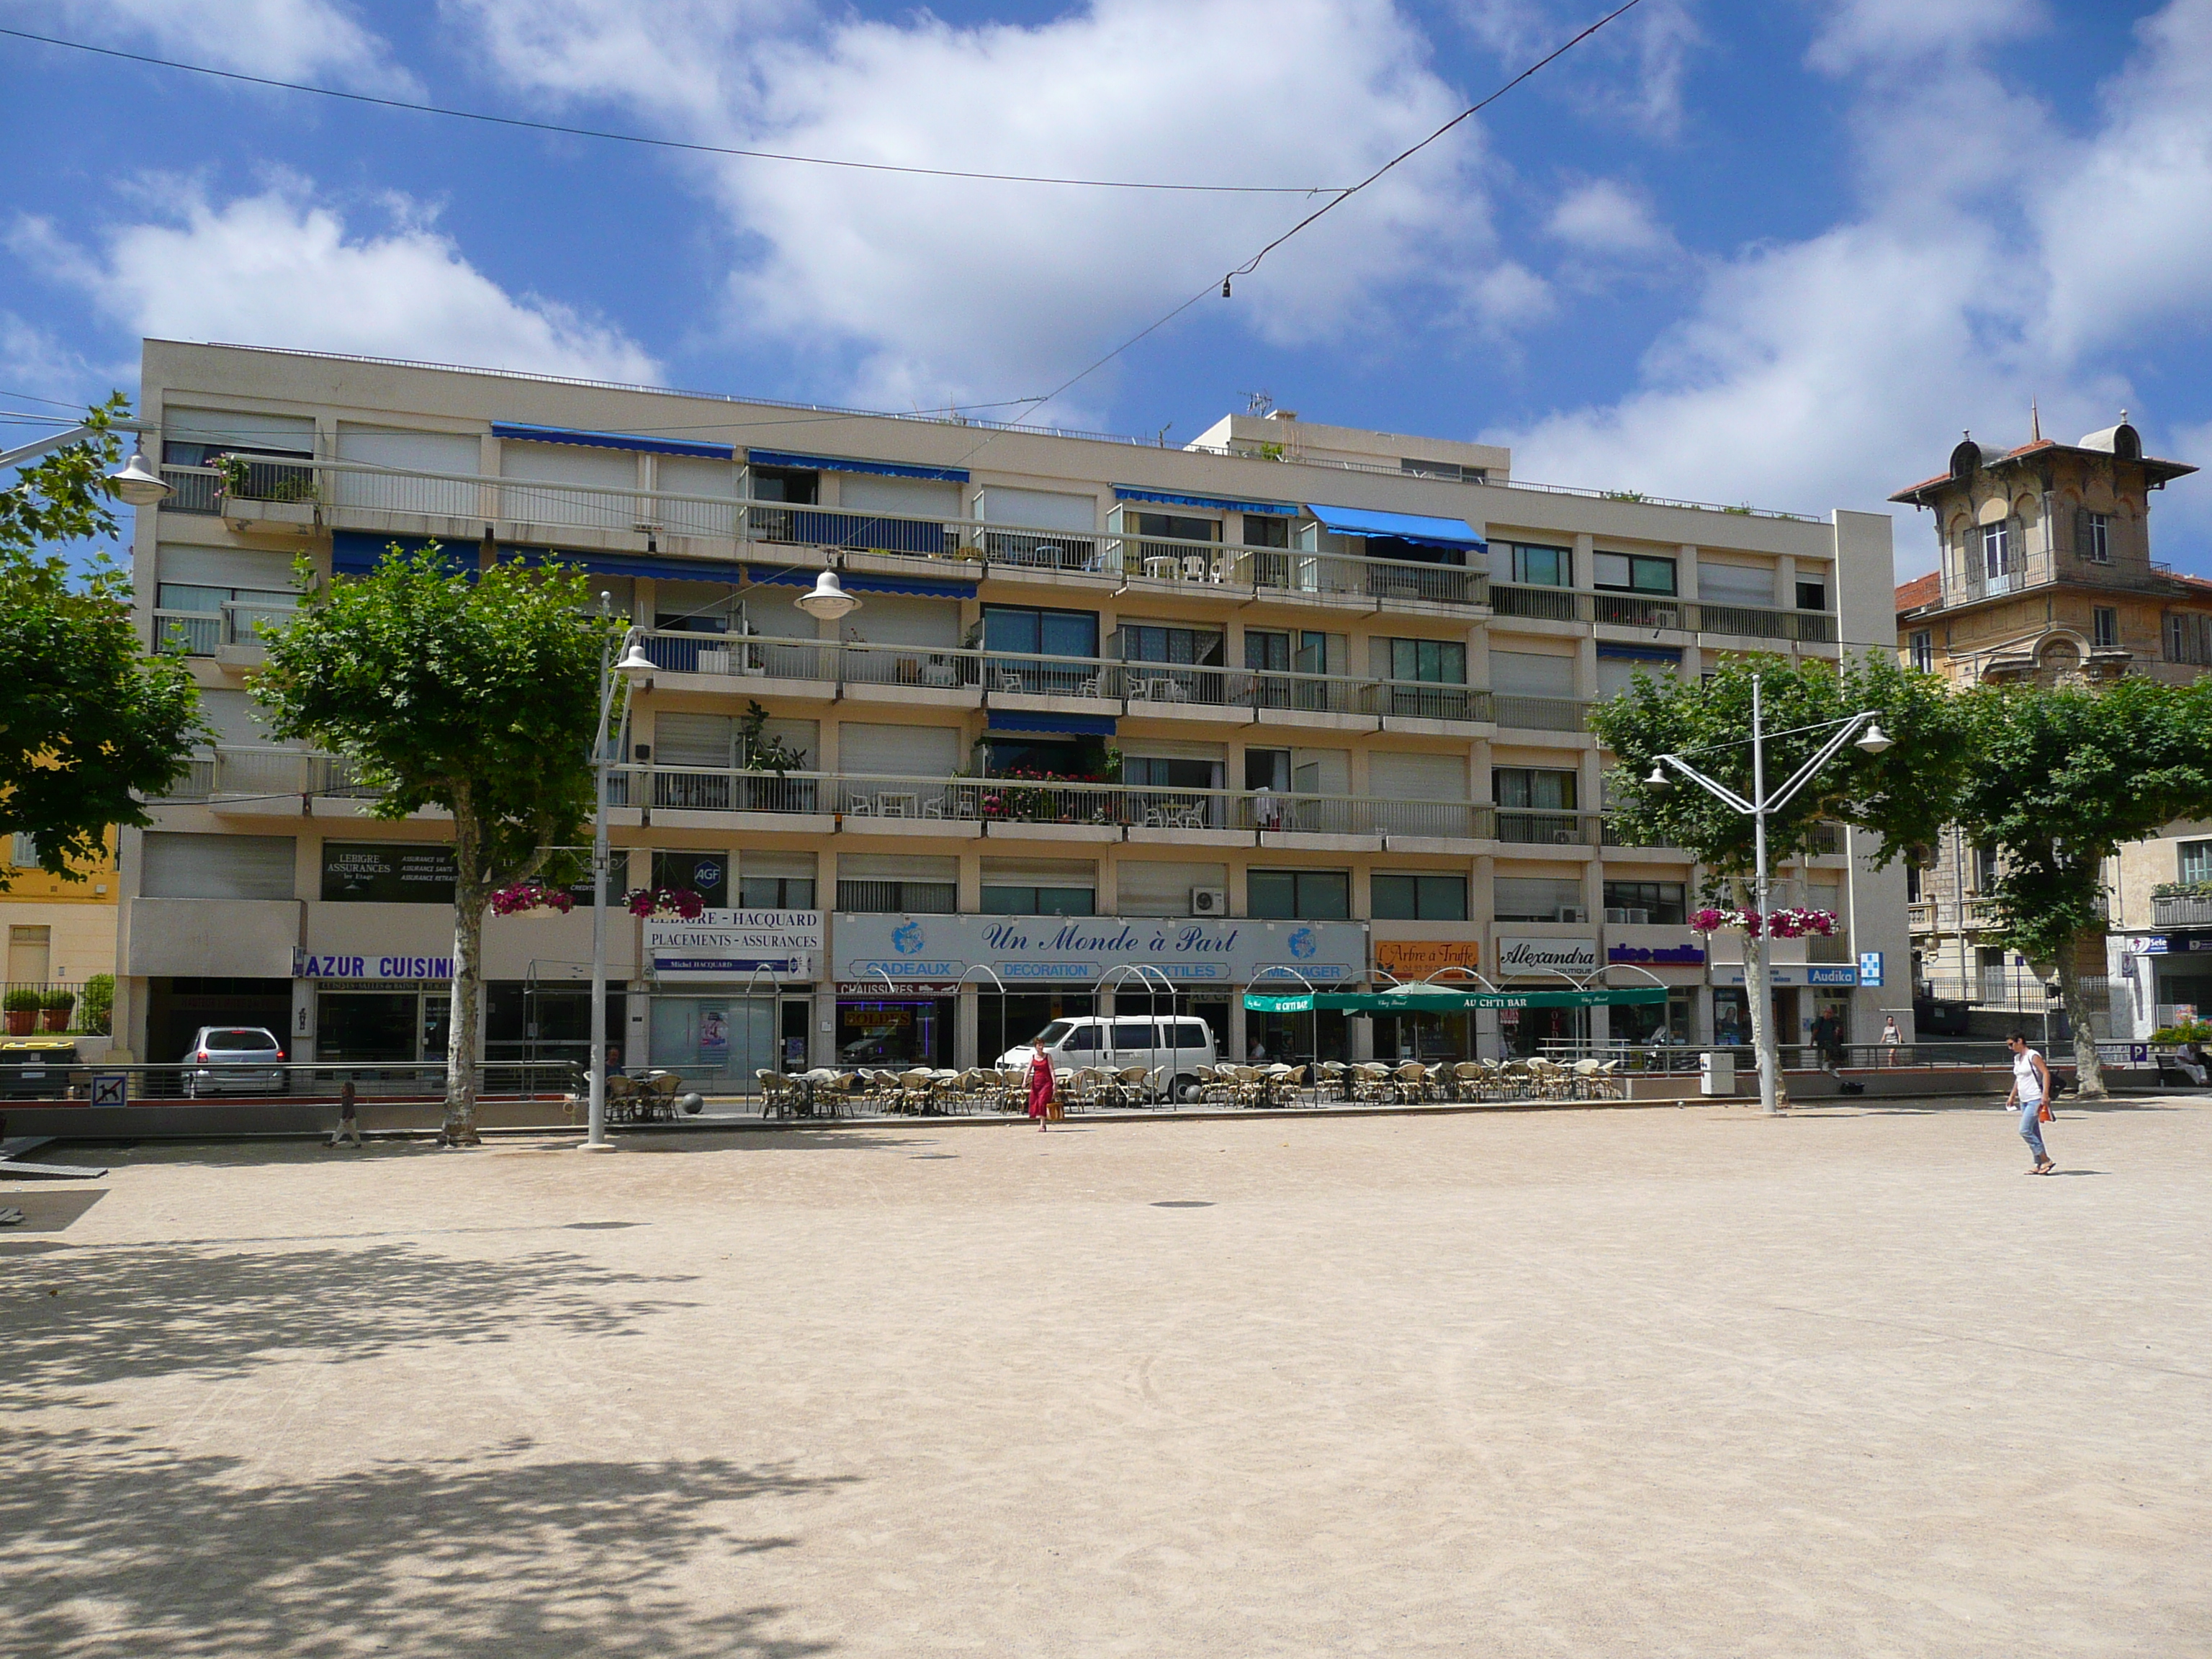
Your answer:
<point x="1685" y="572"/>
<point x="1235" y="1044"/>
<point x="1362" y="1030"/>
<point x="964" y="1037"/>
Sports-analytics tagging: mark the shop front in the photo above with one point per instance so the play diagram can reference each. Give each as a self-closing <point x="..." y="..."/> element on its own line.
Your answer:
<point x="1801" y="995"/>
<point x="729" y="993"/>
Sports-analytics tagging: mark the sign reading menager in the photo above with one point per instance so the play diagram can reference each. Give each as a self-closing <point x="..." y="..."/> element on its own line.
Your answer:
<point x="727" y="943"/>
<point x="1081" y="949"/>
<point x="387" y="873"/>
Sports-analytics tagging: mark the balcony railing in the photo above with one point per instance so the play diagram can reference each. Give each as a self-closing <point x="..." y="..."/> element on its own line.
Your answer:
<point x="1644" y="611"/>
<point x="2187" y="911"/>
<point x="199" y="632"/>
<point x="246" y="773"/>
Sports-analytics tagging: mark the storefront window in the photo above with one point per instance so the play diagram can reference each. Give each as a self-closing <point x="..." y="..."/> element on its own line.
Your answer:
<point x="1293" y="1038"/>
<point x="895" y="1031"/>
<point x="715" y="1039"/>
<point x="706" y="874"/>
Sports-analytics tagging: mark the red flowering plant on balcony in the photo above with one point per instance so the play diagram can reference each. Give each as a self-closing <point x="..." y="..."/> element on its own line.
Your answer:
<point x="526" y="895"/>
<point x="679" y="901"/>
<point x="1026" y="796"/>
<point x="1777" y="924"/>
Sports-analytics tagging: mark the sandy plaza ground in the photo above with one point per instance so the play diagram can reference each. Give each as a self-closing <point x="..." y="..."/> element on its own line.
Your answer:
<point x="1662" y="1381"/>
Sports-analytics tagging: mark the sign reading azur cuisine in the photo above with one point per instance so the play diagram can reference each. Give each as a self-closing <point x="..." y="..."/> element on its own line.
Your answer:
<point x="1081" y="949"/>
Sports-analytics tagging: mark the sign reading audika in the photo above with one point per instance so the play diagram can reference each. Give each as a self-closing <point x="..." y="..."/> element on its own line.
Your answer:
<point x="386" y="873"/>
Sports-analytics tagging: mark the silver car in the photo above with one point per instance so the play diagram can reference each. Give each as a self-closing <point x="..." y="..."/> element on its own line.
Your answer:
<point x="234" y="1060"/>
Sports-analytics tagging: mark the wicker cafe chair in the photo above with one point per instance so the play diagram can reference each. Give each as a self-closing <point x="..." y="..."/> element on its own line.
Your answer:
<point x="1371" y="1081"/>
<point x="1585" y="1084"/>
<point x="1284" y="1083"/>
<point x="1130" y="1086"/>
<point x="1467" y="1080"/>
<point x="1328" y="1081"/>
<point x="1410" y="1081"/>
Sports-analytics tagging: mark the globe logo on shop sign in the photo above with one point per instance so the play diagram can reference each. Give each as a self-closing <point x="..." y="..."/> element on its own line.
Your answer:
<point x="1303" y="944"/>
<point x="907" y="938"/>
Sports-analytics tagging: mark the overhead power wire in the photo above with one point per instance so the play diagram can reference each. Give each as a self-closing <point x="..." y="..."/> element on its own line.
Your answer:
<point x="666" y="143"/>
<point x="1341" y="196"/>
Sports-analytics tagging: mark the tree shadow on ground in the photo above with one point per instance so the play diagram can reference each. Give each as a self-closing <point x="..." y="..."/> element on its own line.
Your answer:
<point x="87" y="1317"/>
<point x="121" y="1550"/>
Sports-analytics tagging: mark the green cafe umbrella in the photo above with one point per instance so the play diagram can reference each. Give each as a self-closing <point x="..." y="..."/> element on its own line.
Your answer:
<point x="1426" y="997"/>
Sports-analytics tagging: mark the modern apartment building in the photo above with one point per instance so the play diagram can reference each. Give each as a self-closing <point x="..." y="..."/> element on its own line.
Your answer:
<point x="2047" y="577"/>
<point x="1293" y="703"/>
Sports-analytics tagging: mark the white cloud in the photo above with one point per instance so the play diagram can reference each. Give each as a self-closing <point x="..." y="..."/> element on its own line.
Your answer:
<point x="925" y="290"/>
<point x="1606" y="217"/>
<point x="319" y="40"/>
<point x="1993" y="272"/>
<point x="281" y="269"/>
<point x="1631" y="72"/>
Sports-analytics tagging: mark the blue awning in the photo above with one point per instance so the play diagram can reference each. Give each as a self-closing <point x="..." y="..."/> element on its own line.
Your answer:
<point x="547" y="434"/>
<point x="839" y="464"/>
<point x="632" y="564"/>
<point x="1400" y="527"/>
<point x="856" y="581"/>
<point x="358" y="552"/>
<point x="1219" y="503"/>
<point x="1075" y="725"/>
<point x="1637" y="652"/>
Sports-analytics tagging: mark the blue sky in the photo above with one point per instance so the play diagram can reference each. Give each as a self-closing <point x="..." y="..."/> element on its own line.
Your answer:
<point x="1762" y="252"/>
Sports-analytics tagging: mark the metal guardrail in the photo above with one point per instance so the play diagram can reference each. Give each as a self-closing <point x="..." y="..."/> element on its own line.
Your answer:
<point x="1647" y="612"/>
<point x="2186" y="912"/>
<point x="202" y="633"/>
<point x="246" y="1082"/>
<point x="264" y="772"/>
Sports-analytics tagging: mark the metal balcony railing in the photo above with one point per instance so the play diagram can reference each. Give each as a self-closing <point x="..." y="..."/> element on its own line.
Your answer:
<point x="1645" y="611"/>
<point x="2182" y="912"/>
<point x="199" y="632"/>
<point x="245" y="773"/>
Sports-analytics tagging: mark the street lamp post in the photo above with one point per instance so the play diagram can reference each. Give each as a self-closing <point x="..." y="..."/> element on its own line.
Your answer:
<point x="1870" y="739"/>
<point x="136" y="480"/>
<point x="634" y="665"/>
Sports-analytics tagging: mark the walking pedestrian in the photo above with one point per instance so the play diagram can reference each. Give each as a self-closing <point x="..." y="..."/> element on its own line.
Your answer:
<point x="2031" y="1093"/>
<point x="1891" y="1036"/>
<point x="1041" y="1083"/>
<point x="1828" y="1041"/>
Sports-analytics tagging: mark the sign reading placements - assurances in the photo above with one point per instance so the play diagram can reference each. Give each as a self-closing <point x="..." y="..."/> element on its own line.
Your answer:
<point x="731" y="943"/>
<point x="1082" y="950"/>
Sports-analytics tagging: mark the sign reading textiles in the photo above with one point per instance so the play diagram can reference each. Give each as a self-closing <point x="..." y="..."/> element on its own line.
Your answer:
<point x="1525" y="954"/>
<point x="1417" y="959"/>
<point x="386" y="873"/>
<point x="721" y="943"/>
<point x="1081" y="949"/>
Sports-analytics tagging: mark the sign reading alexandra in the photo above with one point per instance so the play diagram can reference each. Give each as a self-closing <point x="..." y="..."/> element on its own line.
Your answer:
<point x="1525" y="954"/>
<point x="720" y="944"/>
<point x="386" y="873"/>
<point x="1080" y="951"/>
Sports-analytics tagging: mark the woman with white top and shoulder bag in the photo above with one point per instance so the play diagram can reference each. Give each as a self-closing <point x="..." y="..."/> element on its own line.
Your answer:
<point x="2031" y="1093"/>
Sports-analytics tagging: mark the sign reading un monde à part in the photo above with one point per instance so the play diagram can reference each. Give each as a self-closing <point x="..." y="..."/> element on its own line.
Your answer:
<point x="1081" y="949"/>
<point x="726" y="943"/>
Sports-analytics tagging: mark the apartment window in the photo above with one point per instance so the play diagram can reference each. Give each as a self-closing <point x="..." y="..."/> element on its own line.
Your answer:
<point x="23" y="851"/>
<point x="1633" y="572"/>
<point x="1024" y="631"/>
<point x="1453" y="470"/>
<point x="1915" y="884"/>
<point x="1266" y="530"/>
<point x="1439" y="662"/>
<point x="1167" y="772"/>
<point x="786" y="485"/>
<point x="1419" y="898"/>
<point x="1039" y="901"/>
<point x="1174" y="526"/>
<point x="1985" y="868"/>
<point x="2197" y="860"/>
<point x="1529" y="788"/>
<point x="193" y="624"/>
<point x="1812" y="596"/>
<point x="706" y="874"/>
<point x="775" y="892"/>
<point x="2106" y="624"/>
<point x="1148" y="642"/>
<point x="1543" y="567"/>
<point x="893" y="897"/>
<point x="2189" y="639"/>
<point x="1923" y="651"/>
<point x="1658" y="901"/>
<point x="1306" y="895"/>
<point x="1996" y="549"/>
<point x="2095" y="539"/>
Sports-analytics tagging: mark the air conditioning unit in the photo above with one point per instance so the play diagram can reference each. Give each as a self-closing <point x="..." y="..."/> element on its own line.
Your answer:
<point x="1573" y="913"/>
<point x="1209" y="900"/>
<point x="1635" y="918"/>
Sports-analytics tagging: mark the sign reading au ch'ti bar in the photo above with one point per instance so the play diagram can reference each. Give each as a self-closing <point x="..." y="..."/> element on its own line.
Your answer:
<point x="1417" y="959"/>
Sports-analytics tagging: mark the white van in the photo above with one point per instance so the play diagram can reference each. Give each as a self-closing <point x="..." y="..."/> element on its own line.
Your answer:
<point x="1181" y="1046"/>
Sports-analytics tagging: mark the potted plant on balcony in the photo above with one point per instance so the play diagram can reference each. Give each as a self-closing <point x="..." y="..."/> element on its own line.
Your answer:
<point x="759" y="752"/>
<point x="21" y="1006"/>
<point x="56" y="1004"/>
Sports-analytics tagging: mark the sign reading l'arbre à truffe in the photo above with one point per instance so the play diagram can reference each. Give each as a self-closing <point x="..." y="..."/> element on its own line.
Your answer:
<point x="1519" y="953"/>
<point x="724" y="943"/>
<point x="1081" y="949"/>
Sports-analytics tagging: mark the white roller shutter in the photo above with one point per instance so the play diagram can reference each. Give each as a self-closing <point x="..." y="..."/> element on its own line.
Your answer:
<point x="1161" y="887"/>
<point x="696" y="474"/>
<point x="1416" y="777"/>
<point x="896" y="866"/>
<point x="1040" y="872"/>
<point x="407" y="452"/>
<point x="1616" y="674"/>
<point x="1174" y="748"/>
<point x="1040" y="509"/>
<point x="292" y="433"/>
<point x="569" y="463"/>
<point x="898" y="751"/>
<point x="788" y="867"/>
<point x="1540" y="898"/>
<point x="693" y="739"/>
<point x="1526" y="674"/>
<point x="902" y="498"/>
<point x="1720" y="583"/>
<point x="232" y="714"/>
<point x="900" y="619"/>
<point x="1320" y="771"/>
<point x="216" y="867"/>
<point x="266" y="570"/>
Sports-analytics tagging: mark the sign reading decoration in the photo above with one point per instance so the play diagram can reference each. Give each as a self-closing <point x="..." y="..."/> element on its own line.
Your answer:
<point x="1081" y="949"/>
<point x="731" y="943"/>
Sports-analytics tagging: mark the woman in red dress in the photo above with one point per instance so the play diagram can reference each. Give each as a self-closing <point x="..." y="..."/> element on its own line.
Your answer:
<point x="1041" y="1083"/>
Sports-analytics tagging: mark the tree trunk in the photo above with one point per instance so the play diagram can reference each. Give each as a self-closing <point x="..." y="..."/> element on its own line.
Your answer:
<point x="470" y="893"/>
<point x="1759" y="1004"/>
<point x="2089" y="1076"/>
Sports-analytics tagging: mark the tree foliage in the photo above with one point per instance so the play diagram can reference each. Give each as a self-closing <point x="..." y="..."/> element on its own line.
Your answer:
<point x="474" y="695"/>
<point x="87" y="724"/>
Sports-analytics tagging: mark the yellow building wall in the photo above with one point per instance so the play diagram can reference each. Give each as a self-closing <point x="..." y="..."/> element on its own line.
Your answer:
<point x="57" y="930"/>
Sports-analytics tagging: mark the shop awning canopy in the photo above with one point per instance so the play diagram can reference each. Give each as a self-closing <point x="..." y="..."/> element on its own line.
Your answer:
<point x="1414" y="527"/>
<point x="1218" y="503"/>
<point x="1425" y="998"/>
<point x="850" y="464"/>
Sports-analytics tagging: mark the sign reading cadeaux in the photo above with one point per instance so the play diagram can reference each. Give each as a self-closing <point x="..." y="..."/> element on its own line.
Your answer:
<point x="386" y="873"/>
<point x="723" y="943"/>
<point x="1080" y="951"/>
<point x="1527" y="954"/>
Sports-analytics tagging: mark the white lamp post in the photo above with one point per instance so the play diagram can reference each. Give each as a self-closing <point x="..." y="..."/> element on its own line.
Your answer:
<point x="1873" y="741"/>
<point x="828" y="600"/>
<point x="135" y="480"/>
<point x="634" y="665"/>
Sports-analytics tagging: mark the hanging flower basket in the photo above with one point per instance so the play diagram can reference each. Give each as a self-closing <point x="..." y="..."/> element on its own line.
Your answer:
<point x="664" y="902"/>
<point x="1776" y="924"/>
<point x="525" y="896"/>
